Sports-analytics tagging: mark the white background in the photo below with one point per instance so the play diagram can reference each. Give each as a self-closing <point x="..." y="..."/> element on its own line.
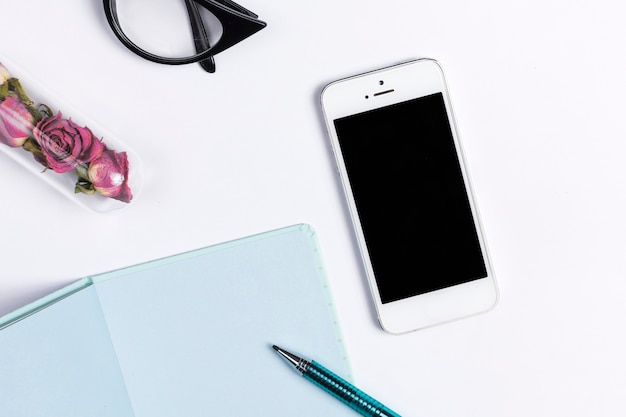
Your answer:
<point x="538" y="90"/>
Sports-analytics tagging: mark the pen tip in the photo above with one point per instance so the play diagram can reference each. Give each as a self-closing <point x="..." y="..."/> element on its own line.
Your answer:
<point x="275" y="348"/>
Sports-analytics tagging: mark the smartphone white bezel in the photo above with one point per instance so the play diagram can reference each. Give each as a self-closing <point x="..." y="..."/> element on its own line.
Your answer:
<point x="381" y="88"/>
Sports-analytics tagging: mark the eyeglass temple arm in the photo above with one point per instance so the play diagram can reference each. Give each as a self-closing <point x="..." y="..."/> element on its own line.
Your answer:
<point x="200" y="37"/>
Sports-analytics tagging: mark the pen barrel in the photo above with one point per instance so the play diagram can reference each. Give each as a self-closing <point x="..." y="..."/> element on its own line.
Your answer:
<point x="346" y="392"/>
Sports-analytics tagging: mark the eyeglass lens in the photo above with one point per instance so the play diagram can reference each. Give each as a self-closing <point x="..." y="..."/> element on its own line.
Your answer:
<point x="162" y="27"/>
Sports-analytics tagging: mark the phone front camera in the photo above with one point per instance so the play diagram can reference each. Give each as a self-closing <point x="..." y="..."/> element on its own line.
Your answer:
<point x="367" y="97"/>
<point x="381" y="82"/>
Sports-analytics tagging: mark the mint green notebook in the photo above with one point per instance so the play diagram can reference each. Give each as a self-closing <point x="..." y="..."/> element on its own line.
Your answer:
<point x="188" y="335"/>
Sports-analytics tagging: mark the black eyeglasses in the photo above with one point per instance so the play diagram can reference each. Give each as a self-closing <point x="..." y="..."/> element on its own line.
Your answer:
<point x="153" y="24"/>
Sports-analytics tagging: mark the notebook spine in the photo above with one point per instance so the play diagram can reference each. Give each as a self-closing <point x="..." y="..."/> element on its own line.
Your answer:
<point x="44" y="302"/>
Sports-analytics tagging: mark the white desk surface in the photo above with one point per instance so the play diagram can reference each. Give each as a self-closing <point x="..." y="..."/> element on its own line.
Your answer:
<point x="538" y="89"/>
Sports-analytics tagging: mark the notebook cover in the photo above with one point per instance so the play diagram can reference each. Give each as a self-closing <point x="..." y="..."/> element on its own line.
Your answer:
<point x="185" y="335"/>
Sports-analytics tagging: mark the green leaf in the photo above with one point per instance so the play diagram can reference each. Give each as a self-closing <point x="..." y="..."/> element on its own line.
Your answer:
<point x="81" y="172"/>
<point x="19" y="90"/>
<point x="84" y="187"/>
<point x="4" y="90"/>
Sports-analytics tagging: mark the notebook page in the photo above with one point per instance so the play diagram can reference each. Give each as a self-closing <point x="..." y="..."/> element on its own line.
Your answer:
<point x="193" y="333"/>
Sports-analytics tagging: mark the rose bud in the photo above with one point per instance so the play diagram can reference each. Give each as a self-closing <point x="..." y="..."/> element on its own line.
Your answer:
<point x="16" y="122"/>
<point x="109" y="175"/>
<point x="64" y="144"/>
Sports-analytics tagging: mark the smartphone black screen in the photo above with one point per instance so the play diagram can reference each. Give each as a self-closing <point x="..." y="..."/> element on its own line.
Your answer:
<point x="411" y="198"/>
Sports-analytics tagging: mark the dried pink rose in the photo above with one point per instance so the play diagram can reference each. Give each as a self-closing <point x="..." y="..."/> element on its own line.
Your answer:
<point x="109" y="175"/>
<point x="64" y="144"/>
<point x="16" y="122"/>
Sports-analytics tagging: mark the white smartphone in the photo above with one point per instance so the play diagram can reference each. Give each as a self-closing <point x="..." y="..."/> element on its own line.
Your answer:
<point x="399" y="158"/>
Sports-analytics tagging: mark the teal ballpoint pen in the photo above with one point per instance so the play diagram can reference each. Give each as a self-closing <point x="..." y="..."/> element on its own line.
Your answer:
<point x="336" y="386"/>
